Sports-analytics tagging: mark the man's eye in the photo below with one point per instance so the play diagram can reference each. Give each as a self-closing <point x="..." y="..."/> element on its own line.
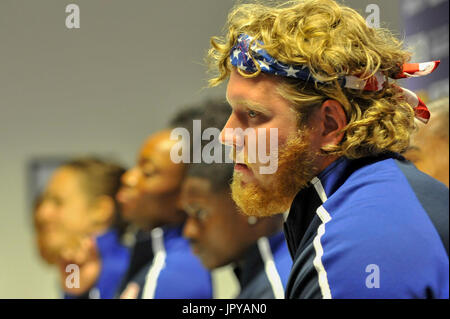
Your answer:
<point x="58" y="202"/>
<point x="201" y="214"/>
<point x="251" y="114"/>
<point x="148" y="173"/>
<point x="196" y="212"/>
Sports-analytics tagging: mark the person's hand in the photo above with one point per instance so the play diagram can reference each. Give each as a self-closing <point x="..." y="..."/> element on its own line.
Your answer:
<point x="81" y="252"/>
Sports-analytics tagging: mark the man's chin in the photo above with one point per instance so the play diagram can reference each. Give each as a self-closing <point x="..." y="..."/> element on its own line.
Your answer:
<point x="253" y="200"/>
<point x="277" y="191"/>
<point x="50" y="248"/>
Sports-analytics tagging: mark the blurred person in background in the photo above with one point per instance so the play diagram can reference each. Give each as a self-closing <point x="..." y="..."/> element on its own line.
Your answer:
<point x="141" y="252"/>
<point x="42" y="239"/>
<point x="148" y="198"/>
<point x="220" y="234"/>
<point x="429" y="149"/>
<point x="78" y="223"/>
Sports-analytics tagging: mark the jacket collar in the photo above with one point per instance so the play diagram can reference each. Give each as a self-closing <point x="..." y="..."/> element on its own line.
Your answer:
<point x="107" y="242"/>
<point x="252" y="263"/>
<point x="302" y="222"/>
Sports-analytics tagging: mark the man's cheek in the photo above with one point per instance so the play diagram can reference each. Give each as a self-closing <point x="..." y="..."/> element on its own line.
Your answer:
<point x="256" y="177"/>
<point x="267" y="150"/>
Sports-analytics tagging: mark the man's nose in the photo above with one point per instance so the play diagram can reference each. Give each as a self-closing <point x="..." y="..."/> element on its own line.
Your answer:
<point x="191" y="228"/>
<point x="131" y="177"/>
<point x="44" y="213"/>
<point x="229" y="135"/>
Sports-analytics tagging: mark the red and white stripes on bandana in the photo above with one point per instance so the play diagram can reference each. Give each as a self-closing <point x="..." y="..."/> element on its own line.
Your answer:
<point x="409" y="70"/>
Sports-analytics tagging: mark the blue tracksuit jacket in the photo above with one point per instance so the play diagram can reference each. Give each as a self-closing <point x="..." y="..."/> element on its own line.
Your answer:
<point x="369" y="228"/>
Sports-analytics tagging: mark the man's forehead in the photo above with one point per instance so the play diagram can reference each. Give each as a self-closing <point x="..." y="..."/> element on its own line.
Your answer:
<point x="64" y="176"/>
<point x="159" y="160"/>
<point x="146" y="151"/>
<point x="156" y="148"/>
<point x="64" y="180"/>
<point x="196" y="186"/>
<point x="251" y="92"/>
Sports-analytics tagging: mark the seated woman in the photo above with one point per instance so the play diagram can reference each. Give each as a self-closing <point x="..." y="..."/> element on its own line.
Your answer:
<point x="162" y="265"/>
<point x="79" y="229"/>
<point x="149" y="196"/>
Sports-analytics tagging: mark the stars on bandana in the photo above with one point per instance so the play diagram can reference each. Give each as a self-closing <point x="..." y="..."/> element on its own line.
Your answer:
<point x="291" y="72"/>
<point x="240" y="58"/>
<point x="236" y="54"/>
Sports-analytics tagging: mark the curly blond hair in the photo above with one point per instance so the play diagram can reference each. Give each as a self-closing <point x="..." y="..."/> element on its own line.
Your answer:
<point x="333" y="41"/>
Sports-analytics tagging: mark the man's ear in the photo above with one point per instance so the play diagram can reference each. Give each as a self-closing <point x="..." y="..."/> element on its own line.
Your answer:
<point x="333" y="120"/>
<point x="103" y="211"/>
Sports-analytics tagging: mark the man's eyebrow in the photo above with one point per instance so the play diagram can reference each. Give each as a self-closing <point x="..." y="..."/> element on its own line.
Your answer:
<point x="413" y="148"/>
<point x="251" y="105"/>
<point x="146" y="161"/>
<point x="195" y="193"/>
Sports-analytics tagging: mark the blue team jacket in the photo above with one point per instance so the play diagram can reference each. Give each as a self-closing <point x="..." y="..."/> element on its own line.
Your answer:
<point x="264" y="270"/>
<point x="174" y="272"/>
<point x="369" y="228"/>
<point x="114" y="263"/>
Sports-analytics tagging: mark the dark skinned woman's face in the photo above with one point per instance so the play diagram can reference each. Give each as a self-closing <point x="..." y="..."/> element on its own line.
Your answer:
<point x="150" y="189"/>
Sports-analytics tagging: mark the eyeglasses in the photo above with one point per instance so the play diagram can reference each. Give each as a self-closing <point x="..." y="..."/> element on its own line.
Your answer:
<point x="198" y="213"/>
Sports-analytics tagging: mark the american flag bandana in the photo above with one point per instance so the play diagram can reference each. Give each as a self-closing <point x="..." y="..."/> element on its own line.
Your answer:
<point x="247" y="52"/>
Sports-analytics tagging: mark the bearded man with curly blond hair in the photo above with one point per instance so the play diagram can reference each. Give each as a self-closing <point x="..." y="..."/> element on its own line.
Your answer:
<point x="362" y="221"/>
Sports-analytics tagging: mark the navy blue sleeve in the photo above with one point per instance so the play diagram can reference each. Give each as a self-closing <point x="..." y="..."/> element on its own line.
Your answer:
<point x="380" y="237"/>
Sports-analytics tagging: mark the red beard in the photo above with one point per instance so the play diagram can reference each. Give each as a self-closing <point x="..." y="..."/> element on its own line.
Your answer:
<point x="295" y="170"/>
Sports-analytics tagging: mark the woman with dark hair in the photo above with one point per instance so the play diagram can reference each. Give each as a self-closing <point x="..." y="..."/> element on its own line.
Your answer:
<point x="79" y="228"/>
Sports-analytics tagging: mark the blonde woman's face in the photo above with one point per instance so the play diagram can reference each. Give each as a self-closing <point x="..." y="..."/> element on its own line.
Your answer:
<point x="64" y="213"/>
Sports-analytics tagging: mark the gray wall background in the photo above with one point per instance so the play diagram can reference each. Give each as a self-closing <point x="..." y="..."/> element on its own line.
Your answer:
<point x="98" y="89"/>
